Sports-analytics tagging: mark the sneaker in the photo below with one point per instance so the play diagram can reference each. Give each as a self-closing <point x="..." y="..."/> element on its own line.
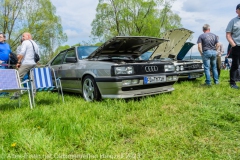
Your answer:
<point x="234" y="86"/>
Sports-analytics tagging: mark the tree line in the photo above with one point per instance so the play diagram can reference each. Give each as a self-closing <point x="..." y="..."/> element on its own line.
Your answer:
<point x="35" y="16"/>
<point x="113" y="18"/>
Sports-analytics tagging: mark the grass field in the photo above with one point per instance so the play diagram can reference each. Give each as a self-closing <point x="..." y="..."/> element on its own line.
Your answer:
<point x="192" y="122"/>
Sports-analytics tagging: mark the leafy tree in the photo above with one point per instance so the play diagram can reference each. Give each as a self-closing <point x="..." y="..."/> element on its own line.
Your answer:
<point x="59" y="49"/>
<point x="34" y="16"/>
<point x="133" y="18"/>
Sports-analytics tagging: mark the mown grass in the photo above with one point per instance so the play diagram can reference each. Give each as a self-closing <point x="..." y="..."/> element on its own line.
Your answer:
<point x="192" y="122"/>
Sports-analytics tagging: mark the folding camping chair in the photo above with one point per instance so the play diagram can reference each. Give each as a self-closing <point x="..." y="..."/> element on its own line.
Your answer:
<point x="43" y="80"/>
<point x="10" y="83"/>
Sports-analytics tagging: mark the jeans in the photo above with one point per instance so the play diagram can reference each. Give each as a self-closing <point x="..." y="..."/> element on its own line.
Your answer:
<point x="209" y="58"/>
<point x="25" y="78"/>
<point x="235" y="64"/>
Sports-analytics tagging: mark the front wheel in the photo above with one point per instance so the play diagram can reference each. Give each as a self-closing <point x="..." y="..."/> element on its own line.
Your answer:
<point x="90" y="89"/>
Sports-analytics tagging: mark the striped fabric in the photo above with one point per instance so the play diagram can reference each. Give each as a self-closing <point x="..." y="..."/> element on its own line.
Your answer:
<point x="43" y="79"/>
<point x="8" y="79"/>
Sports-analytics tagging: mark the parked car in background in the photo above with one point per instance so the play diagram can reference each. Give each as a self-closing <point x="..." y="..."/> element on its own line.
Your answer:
<point x="113" y="69"/>
<point x="174" y="51"/>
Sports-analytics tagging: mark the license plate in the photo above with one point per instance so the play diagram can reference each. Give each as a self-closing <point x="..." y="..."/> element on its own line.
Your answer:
<point x="154" y="79"/>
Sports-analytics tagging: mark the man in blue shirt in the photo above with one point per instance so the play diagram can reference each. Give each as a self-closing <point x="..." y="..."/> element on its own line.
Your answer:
<point x="4" y="56"/>
<point x="233" y="37"/>
<point x="4" y="52"/>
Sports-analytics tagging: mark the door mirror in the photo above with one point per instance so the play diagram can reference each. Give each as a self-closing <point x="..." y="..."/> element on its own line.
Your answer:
<point x="71" y="60"/>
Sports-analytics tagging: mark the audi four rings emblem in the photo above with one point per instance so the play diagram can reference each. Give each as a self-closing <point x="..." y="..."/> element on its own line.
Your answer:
<point x="151" y="68"/>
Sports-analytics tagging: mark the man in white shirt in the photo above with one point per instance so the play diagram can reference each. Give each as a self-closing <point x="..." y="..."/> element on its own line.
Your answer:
<point x="26" y="56"/>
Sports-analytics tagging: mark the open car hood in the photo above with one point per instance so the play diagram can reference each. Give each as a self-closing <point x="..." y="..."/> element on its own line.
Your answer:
<point x="170" y="49"/>
<point x="126" y="46"/>
<point x="186" y="47"/>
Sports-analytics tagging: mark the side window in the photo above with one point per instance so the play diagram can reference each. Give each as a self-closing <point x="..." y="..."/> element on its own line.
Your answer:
<point x="58" y="59"/>
<point x="70" y="54"/>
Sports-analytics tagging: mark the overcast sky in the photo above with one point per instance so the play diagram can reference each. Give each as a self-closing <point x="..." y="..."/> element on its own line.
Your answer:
<point x="77" y="15"/>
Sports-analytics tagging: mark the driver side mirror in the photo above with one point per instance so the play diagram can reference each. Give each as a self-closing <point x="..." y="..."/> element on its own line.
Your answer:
<point x="71" y="60"/>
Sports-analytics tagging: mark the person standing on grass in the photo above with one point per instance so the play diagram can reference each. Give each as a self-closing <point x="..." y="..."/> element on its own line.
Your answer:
<point x="5" y="50"/>
<point x="233" y="37"/>
<point x="220" y="51"/>
<point x="207" y="46"/>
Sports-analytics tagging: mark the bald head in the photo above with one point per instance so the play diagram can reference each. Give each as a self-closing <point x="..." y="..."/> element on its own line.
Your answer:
<point x="26" y="36"/>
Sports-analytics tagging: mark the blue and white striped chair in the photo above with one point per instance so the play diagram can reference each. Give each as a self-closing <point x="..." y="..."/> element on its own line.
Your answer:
<point x="44" y="79"/>
<point x="10" y="83"/>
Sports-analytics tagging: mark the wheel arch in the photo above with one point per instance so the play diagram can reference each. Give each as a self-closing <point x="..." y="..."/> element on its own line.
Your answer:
<point x="97" y="93"/>
<point x="87" y="74"/>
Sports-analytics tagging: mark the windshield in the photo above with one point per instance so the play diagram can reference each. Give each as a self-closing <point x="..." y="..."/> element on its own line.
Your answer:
<point x="85" y="51"/>
<point x="145" y="56"/>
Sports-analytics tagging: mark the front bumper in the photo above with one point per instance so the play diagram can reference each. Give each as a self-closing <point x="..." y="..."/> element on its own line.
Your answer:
<point x="191" y="74"/>
<point x="114" y="88"/>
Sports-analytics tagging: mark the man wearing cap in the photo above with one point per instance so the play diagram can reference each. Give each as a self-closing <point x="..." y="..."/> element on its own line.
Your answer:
<point x="233" y="37"/>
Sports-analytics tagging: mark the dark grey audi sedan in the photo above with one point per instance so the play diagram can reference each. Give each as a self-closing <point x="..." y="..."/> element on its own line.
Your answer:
<point x="113" y="70"/>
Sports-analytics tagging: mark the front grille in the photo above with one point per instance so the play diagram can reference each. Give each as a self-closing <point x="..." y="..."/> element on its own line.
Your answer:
<point x="148" y="86"/>
<point x="193" y="66"/>
<point x="141" y="69"/>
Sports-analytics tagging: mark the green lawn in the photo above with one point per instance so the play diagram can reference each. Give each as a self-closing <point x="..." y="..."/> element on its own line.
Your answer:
<point x="192" y="122"/>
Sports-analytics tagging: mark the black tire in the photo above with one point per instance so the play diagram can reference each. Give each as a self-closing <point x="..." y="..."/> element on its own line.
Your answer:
<point x="90" y="90"/>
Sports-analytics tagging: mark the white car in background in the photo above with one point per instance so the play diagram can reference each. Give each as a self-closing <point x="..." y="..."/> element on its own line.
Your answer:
<point x="175" y="51"/>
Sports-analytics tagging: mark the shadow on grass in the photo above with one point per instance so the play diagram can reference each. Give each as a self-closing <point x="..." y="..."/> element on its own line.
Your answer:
<point x="126" y="100"/>
<point x="180" y="81"/>
<point x="8" y="104"/>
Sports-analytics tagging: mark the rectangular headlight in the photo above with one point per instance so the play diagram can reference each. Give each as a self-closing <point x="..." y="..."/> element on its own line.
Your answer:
<point x="169" y="68"/>
<point x="124" y="70"/>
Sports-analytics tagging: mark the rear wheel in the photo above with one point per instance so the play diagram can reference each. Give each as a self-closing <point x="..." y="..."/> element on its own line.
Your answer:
<point x="90" y="89"/>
